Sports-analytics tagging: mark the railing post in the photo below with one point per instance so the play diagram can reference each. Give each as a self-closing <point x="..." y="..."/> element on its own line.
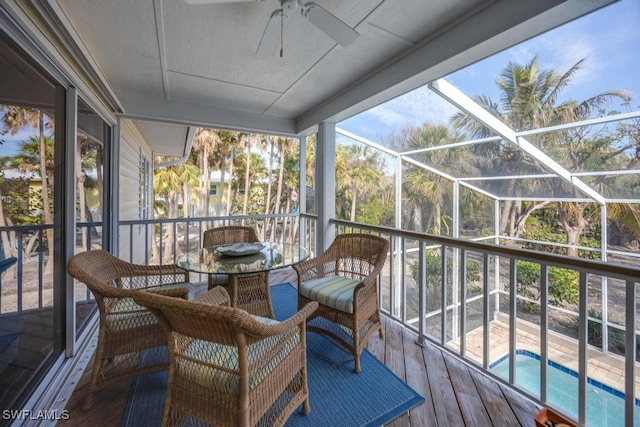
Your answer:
<point x="422" y="292"/>
<point x="455" y="279"/>
<point x="630" y="353"/>
<point x="443" y="298"/>
<point x="513" y="280"/>
<point x="463" y="303"/>
<point x="544" y="325"/>
<point x="604" y="285"/>
<point x="486" y="318"/>
<point x="582" y="348"/>
<point x="496" y="259"/>
<point x="402" y="261"/>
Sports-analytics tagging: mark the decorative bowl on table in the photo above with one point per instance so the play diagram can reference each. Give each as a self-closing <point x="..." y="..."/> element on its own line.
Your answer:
<point x="240" y="249"/>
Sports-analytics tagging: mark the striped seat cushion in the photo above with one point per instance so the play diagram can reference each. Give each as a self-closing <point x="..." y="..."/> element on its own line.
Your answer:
<point x="200" y="355"/>
<point x="332" y="291"/>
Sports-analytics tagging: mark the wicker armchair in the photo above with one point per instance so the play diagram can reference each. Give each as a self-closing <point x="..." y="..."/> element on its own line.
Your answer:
<point x="125" y="327"/>
<point x="249" y="292"/>
<point x="229" y="368"/>
<point x="344" y="281"/>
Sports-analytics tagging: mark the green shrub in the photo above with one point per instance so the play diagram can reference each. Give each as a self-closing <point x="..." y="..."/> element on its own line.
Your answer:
<point x="434" y="269"/>
<point x="563" y="283"/>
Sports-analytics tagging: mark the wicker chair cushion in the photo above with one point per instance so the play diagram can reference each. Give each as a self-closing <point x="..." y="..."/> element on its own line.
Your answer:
<point x="125" y="312"/>
<point x="331" y="291"/>
<point x="226" y="357"/>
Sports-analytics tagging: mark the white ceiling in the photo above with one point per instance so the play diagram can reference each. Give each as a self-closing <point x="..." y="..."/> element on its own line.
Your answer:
<point x="197" y="64"/>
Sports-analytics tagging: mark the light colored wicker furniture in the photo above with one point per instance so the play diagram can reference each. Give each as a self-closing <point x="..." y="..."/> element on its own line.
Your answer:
<point x="229" y="368"/>
<point x="344" y="281"/>
<point x="125" y="327"/>
<point x="247" y="291"/>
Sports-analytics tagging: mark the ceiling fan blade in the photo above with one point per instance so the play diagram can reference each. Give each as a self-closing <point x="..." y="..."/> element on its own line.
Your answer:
<point x="199" y="2"/>
<point x="271" y="36"/>
<point x="329" y="24"/>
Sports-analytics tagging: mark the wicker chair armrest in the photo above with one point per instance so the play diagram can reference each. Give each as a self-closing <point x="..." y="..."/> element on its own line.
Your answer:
<point x="176" y="293"/>
<point x="156" y="270"/>
<point x="113" y="292"/>
<point x="261" y="330"/>
<point x="366" y="287"/>
<point x="217" y="296"/>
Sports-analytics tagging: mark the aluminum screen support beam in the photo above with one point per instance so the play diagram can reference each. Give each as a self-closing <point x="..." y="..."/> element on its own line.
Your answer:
<point x="466" y="104"/>
<point x="325" y="184"/>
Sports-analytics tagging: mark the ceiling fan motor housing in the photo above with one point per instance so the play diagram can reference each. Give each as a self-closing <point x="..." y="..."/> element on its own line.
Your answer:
<point x="289" y="5"/>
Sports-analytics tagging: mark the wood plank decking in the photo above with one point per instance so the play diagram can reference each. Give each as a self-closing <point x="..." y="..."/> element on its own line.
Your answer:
<point x="456" y="395"/>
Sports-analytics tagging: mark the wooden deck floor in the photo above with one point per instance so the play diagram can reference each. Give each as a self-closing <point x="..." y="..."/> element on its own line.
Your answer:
<point x="456" y="395"/>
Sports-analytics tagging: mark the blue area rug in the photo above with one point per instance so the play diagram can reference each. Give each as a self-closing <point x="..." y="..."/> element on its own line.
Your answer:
<point x="6" y="341"/>
<point x="338" y="396"/>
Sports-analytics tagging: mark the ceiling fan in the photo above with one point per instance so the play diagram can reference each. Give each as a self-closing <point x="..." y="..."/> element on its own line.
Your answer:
<point x="326" y="22"/>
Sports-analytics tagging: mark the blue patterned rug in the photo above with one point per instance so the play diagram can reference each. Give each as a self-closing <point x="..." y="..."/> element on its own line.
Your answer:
<point x="338" y="396"/>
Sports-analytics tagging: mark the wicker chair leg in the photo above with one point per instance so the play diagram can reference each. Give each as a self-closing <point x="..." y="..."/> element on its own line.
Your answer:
<point x="356" y="343"/>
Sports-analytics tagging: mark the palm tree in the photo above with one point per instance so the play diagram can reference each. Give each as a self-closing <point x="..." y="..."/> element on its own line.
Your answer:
<point x="205" y="142"/>
<point x="426" y="190"/>
<point x="16" y="118"/>
<point x="167" y="184"/>
<point x="225" y="153"/>
<point x="529" y="98"/>
<point x="188" y="175"/>
<point x="80" y="180"/>
<point x="362" y="173"/>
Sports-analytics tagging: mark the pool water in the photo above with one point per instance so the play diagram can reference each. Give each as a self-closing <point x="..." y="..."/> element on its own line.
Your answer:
<point x="605" y="406"/>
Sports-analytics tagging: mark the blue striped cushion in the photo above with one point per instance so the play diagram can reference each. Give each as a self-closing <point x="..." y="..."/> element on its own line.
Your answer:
<point x="227" y="357"/>
<point x="332" y="291"/>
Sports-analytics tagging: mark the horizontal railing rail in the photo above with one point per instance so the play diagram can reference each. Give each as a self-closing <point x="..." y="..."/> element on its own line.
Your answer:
<point x="450" y="291"/>
<point x="26" y="286"/>
<point x="161" y="241"/>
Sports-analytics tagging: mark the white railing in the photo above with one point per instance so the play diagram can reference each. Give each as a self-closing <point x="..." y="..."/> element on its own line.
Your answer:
<point x="422" y="287"/>
<point x="161" y="241"/>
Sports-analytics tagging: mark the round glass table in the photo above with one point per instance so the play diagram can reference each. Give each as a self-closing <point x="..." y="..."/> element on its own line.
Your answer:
<point x="248" y="275"/>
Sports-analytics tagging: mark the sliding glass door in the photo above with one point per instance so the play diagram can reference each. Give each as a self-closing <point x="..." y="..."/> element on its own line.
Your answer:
<point x="31" y="326"/>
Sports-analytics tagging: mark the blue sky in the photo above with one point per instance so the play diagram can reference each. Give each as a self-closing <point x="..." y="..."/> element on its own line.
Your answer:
<point x="10" y="143"/>
<point x="608" y="39"/>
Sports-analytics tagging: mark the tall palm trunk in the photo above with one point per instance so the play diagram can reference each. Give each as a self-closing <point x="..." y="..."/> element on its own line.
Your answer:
<point x="223" y="169"/>
<point x="354" y="199"/>
<point x="185" y="199"/>
<point x="205" y="180"/>
<point x="280" y="183"/>
<point x="99" y="163"/>
<point x="170" y="249"/>
<point x="81" y="195"/>
<point x="267" y="208"/>
<point x="231" y="164"/>
<point x="247" y="177"/>
<point x="286" y="221"/>
<point x="46" y="208"/>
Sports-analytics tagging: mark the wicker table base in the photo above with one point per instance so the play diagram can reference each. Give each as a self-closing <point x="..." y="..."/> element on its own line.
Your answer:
<point x="250" y="292"/>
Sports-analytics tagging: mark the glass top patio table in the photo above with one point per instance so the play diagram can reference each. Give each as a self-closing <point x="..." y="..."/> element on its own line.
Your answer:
<point x="274" y="255"/>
